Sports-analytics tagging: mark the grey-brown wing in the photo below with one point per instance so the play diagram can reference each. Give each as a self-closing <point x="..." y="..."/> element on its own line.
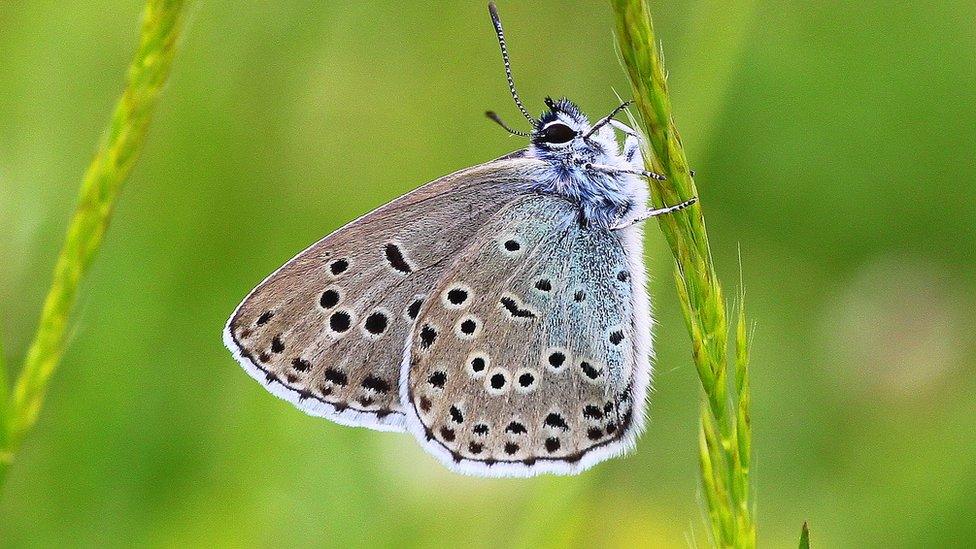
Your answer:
<point x="533" y="353"/>
<point x="327" y="330"/>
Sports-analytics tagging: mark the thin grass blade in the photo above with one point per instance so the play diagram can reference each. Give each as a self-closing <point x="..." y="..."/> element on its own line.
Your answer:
<point x="113" y="161"/>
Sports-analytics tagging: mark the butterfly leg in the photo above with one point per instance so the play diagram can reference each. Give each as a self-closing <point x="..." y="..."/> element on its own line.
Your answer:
<point x="654" y="213"/>
<point x="632" y="145"/>
<point x="613" y="170"/>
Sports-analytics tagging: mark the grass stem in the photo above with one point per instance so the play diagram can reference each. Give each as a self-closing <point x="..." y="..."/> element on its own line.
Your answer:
<point x="725" y="429"/>
<point x="108" y="170"/>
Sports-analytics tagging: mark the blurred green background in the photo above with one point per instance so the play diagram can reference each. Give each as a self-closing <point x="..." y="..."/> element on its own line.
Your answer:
<point x="834" y="148"/>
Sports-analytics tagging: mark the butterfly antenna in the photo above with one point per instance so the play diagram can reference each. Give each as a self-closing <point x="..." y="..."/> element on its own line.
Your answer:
<point x="603" y="121"/>
<point x="508" y="66"/>
<point x="492" y="115"/>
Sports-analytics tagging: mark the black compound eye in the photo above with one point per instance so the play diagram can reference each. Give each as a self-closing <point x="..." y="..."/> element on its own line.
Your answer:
<point x="557" y="133"/>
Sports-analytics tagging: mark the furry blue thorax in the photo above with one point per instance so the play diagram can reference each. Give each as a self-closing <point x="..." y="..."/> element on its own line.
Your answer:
<point x="560" y="140"/>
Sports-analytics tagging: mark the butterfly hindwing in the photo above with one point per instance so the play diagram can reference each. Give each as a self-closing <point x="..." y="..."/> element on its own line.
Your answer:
<point x="532" y="354"/>
<point x="327" y="330"/>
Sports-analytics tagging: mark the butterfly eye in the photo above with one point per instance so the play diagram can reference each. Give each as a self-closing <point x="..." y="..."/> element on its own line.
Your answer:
<point x="557" y="133"/>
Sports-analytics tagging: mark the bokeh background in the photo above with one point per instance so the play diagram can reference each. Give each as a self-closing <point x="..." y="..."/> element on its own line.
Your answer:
<point x="834" y="148"/>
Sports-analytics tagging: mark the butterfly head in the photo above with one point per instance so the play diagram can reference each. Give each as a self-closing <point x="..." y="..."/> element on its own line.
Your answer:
<point x="562" y="133"/>
<point x="580" y="160"/>
<point x="560" y="126"/>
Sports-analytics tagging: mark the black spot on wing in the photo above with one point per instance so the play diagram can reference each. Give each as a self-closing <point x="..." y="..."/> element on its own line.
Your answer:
<point x="592" y="412"/>
<point x="456" y="415"/>
<point x="552" y="444"/>
<point x="277" y="345"/>
<point x="589" y="370"/>
<point x="457" y="296"/>
<point x="515" y="428"/>
<point x="395" y="257"/>
<point x="427" y="336"/>
<point x="498" y="381"/>
<point x="556" y="420"/>
<point x="336" y="377"/>
<point x="339" y="266"/>
<point x="414" y="309"/>
<point x="437" y="380"/>
<point x="513" y="308"/>
<point x="339" y="321"/>
<point x="468" y="326"/>
<point x="329" y="299"/>
<point x="376" y="323"/>
<point x="376" y="384"/>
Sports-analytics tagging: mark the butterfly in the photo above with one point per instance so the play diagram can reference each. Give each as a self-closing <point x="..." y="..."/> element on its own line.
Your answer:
<point x="499" y="314"/>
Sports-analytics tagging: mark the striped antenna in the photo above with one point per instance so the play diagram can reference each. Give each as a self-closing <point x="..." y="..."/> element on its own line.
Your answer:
<point x="508" y="66"/>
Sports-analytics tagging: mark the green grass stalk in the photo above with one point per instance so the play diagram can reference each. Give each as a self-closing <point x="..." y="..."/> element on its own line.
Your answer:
<point x="725" y="430"/>
<point x="113" y="161"/>
<point x="4" y="389"/>
<point x="804" y="537"/>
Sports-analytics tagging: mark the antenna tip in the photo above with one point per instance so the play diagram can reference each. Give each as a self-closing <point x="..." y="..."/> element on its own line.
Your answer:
<point x="493" y="11"/>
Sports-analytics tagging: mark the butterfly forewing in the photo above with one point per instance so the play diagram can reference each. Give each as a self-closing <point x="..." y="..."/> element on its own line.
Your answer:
<point x="532" y="354"/>
<point x="327" y="330"/>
